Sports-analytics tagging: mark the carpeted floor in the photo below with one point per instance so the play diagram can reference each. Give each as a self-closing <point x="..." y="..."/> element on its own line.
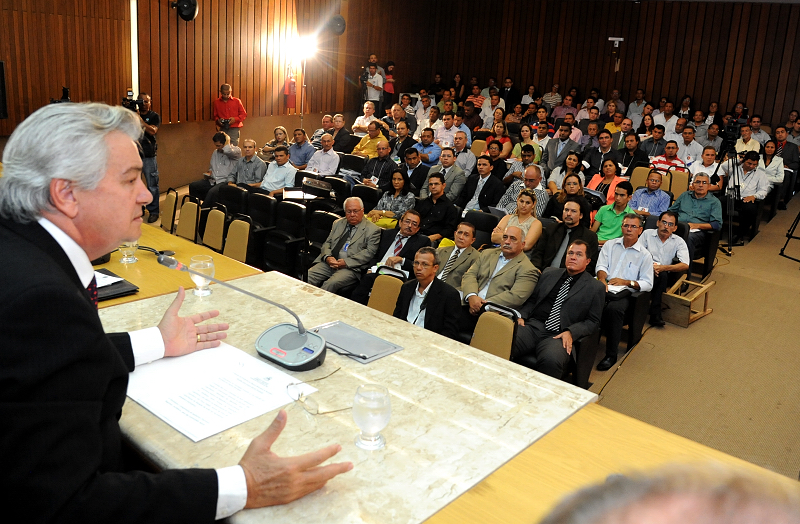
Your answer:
<point x="731" y="380"/>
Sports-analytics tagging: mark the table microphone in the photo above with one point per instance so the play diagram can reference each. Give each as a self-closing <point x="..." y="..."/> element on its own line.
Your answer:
<point x="288" y="345"/>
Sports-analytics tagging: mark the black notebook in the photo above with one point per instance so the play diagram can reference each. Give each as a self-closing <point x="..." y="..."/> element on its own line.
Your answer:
<point x="115" y="290"/>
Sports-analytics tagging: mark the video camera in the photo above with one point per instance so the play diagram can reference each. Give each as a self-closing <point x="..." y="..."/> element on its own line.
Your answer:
<point x="64" y="97"/>
<point x="225" y="124"/>
<point x="131" y="103"/>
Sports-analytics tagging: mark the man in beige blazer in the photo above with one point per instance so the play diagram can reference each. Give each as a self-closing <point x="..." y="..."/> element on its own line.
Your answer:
<point x="504" y="276"/>
<point x="348" y="249"/>
<point x="464" y="258"/>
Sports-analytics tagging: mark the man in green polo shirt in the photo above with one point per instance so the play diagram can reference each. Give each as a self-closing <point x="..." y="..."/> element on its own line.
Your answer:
<point x="608" y="220"/>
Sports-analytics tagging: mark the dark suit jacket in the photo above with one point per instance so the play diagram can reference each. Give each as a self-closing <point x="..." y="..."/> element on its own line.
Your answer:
<point x="550" y="160"/>
<point x="409" y="250"/>
<point x="405" y="144"/>
<point x="341" y="141"/>
<point x="595" y="159"/>
<point x="582" y="308"/>
<point x="418" y="177"/>
<point x="491" y="193"/>
<point x="62" y="387"/>
<point x="546" y="248"/>
<point x="791" y="156"/>
<point x="442" y="307"/>
<point x="511" y="97"/>
<point x="639" y="159"/>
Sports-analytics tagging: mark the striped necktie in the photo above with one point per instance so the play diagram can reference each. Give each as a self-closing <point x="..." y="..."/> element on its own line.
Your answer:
<point x="779" y="151"/>
<point x="398" y="246"/>
<point x="553" y="323"/>
<point x="450" y="263"/>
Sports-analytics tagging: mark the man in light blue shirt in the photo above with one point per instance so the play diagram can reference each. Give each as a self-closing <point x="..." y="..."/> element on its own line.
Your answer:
<point x="301" y="151"/>
<point x="650" y="200"/>
<point x="623" y="265"/>
<point x="280" y="173"/>
<point x="664" y="246"/>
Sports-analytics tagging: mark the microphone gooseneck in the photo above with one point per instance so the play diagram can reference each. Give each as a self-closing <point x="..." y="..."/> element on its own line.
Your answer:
<point x="173" y="263"/>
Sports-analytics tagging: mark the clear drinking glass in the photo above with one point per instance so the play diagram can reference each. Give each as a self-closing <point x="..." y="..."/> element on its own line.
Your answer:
<point x="127" y="249"/>
<point x="371" y="413"/>
<point x="202" y="264"/>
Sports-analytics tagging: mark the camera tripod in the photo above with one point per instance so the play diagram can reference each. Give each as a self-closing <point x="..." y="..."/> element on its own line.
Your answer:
<point x="789" y="236"/>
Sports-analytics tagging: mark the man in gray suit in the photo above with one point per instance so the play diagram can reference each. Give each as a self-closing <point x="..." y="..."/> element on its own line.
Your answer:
<point x="348" y="249"/>
<point x="566" y="305"/>
<point x="462" y="253"/>
<point x="556" y="151"/>
<point x="504" y="276"/>
<point x="454" y="177"/>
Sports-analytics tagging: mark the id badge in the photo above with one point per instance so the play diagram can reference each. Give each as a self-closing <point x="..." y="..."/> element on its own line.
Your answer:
<point x="346" y="245"/>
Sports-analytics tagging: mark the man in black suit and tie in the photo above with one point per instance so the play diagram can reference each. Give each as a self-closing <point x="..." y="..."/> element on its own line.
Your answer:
<point x="457" y="259"/>
<point x="63" y="380"/>
<point x="551" y="249"/>
<point x="417" y="171"/>
<point x="566" y="305"/>
<point x="482" y="189"/>
<point x="556" y="151"/>
<point x="401" y="142"/>
<point x="596" y="156"/>
<point x="427" y="301"/>
<point x="396" y="250"/>
<point x="510" y="94"/>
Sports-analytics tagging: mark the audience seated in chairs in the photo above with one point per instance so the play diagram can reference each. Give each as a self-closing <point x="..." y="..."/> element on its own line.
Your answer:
<point x="572" y="186"/>
<point x="325" y="161"/>
<point x="650" y="200"/>
<point x="223" y="165"/>
<point x="393" y="203"/>
<point x="426" y="300"/>
<point x="396" y="250"/>
<point x="625" y="263"/>
<point x="348" y="250"/>
<point x="458" y="258"/>
<point x="378" y="171"/>
<point x="367" y="147"/>
<point x="439" y="215"/>
<point x="753" y="187"/>
<point x="341" y="135"/>
<point x="416" y="170"/>
<point x="280" y="174"/>
<point x="701" y="210"/>
<point x="609" y="218"/>
<point x="551" y="249"/>
<point x="523" y="217"/>
<point x="280" y="134"/>
<point x="481" y="190"/>
<point x="504" y="276"/>
<point x="664" y="246"/>
<point x="566" y="305"/>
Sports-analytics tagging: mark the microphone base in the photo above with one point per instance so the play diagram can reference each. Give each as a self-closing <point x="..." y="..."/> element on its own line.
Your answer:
<point x="283" y="345"/>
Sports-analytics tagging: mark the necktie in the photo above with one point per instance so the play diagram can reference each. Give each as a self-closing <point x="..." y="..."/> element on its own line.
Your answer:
<point x="398" y="245"/>
<point x="92" y="291"/>
<point x="553" y="323"/>
<point x="450" y="263"/>
<point x="779" y="151"/>
<point x="444" y="172"/>
<point x="561" y="250"/>
<point x="560" y="147"/>
<point x="335" y="252"/>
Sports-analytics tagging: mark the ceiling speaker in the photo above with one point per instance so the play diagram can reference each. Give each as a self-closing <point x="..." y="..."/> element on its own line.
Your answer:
<point x="187" y="9"/>
<point x="336" y="25"/>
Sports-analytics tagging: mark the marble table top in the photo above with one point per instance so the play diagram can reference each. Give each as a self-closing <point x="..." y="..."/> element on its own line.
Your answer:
<point x="458" y="413"/>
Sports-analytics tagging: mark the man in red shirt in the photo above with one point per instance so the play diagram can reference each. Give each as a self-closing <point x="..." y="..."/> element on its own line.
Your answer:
<point x="669" y="159"/>
<point x="228" y="113"/>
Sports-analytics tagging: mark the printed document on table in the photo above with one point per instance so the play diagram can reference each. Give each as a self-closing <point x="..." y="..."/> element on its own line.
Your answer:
<point x="209" y="391"/>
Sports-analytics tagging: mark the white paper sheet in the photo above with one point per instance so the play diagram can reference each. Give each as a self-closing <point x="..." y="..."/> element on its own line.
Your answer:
<point x="104" y="280"/>
<point x="210" y="391"/>
<point x="615" y="289"/>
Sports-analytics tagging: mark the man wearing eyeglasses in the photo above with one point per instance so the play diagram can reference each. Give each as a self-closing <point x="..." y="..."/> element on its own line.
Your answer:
<point x="427" y="301"/>
<point x="624" y="265"/>
<point x="650" y="200"/>
<point x="396" y="250"/>
<point x="702" y="211"/>
<point x="664" y="246"/>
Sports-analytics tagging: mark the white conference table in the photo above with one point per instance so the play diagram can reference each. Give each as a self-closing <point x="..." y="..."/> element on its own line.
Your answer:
<point x="458" y="414"/>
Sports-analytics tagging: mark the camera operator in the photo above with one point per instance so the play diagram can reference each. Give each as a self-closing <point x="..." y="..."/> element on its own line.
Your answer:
<point x="150" y="122"/>
<point x="228" y="113"/>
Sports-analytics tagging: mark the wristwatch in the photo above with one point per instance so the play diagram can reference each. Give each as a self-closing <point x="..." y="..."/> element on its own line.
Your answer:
<point x="633" y="284"/>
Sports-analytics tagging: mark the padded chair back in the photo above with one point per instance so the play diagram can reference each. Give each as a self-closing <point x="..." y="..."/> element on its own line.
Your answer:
<point x="341" y="189"/>
<point x="237" y="240"/>
<point x="283" y="244"/>
<point x="261" y="209"/>
<point x="384" y="294"/>
<point x="353" y="162"/>
<point x="546" y="221"/>
<point x="639" y="176"/>
<point x="484" y="225"/>
<point x="369" y="195"/>
<point x="494" y="334"/>
<point x="478" y="147"/>
<point x="214" y="234"/>
<point x="190" y="218"/>
<point x="678" y="182"/>
<point x="234" y="198"/>
<point x="318" y="228"/>
<point x="300" y="175"/>
<point x="168" y="209"/>
<point x="351" y="144"/>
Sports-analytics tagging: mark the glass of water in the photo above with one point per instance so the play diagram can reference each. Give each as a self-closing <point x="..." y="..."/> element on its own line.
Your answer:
<point x="371" y="412"/>
<point x="127" y="249"/>
<point x="202" y="264"/>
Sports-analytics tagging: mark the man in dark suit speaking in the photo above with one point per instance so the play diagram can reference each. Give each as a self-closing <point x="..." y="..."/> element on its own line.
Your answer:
<point x="62" y="378"/>
<point x="566" y="304"/>
<point x="427" y="301"/>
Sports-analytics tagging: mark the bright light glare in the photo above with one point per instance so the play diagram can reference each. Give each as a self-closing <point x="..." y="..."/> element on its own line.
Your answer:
<point x="301" y="48"/>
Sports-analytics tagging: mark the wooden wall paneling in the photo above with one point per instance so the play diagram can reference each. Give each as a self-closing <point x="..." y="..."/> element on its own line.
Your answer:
<point x="766" y="62"/>
<point x="753" y="58"/>
<point x="248" y="33"/>
<point x="786" y="91"/>
<point x="737" y="92"/>
<point x="178" y="54"/>
<point x="143" y="49"/>
<point x="275" y="75"/>
<point x="702" y="59"/>
<point x="235" y="50"/>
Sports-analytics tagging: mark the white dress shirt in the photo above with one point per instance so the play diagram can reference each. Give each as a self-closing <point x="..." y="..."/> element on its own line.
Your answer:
<point x="324" y="163"/>
<point x="148" y="345"/>
<point x="416" y="314"/>
<point x="633" y="263"/>
<point x="663" y="253"/>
